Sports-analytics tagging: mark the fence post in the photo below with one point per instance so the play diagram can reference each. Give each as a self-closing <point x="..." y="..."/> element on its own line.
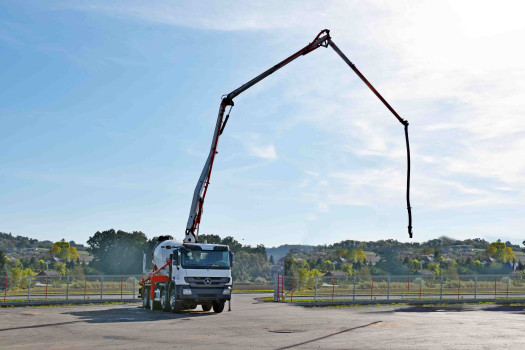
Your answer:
<point x="67" y="288"/>
<point x="459" y="284"/>
<point x="475" y="287"/>
<point x="101" y="286"/>
<point x="372" y="289"/>
<point x="282" y="288"/>
<point x="420" y="286"/>
<point x="495" y="287"/>
<point x="47" y="282"/>
<point x="315" y="293"/>
<point x="408" y="293"/>
<point x="275" y="287"/>
<point x="388" y="289"/>
<point x="508" y="282"/>
<point x="29" y="289"/>
<point x="333" y="287"/>
<point x="121" y="283"/>
<point x="353" y="296"/>
<point x="85" y="284"/>
<point x="441" y="289"/>
<point x="293" y="285"/>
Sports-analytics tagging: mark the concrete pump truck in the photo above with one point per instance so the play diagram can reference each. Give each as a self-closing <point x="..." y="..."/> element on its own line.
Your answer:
<point x="189" y="273"/>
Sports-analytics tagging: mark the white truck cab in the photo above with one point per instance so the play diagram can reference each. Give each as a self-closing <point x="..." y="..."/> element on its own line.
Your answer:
<point x="189" y="274"/>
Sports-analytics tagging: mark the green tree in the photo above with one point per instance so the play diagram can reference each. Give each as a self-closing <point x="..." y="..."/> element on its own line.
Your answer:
<point x="415" y="266"/>
<point x="499" y="251"/>
<point x="41" y="265"/>
<point x="434" y="268"/>
<point x="3" y="263"/>
<point x="234" y="245"/>
<point x="117" y="252"/>
<point x="437" y="254"/>
<point x="63" y="251"/>
<point x="271" y="260"/>
<point x="210" y="239"/>
<point x="18" y="274"/>
<point x="348" y="269"/>
<point x="357" y="255"/>
<point x="60" y="267"/>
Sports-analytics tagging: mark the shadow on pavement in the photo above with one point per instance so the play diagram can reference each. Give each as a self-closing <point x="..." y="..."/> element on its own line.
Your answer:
<point x="433" y="309"/>
<point x="519" y="309"/>
<point x="133" y="315"/>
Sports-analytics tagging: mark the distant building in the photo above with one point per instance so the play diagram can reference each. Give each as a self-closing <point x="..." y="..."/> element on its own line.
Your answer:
<point x="27" y="250"/>
<point x="48" y="273"/>
<point x="335" y="274"/>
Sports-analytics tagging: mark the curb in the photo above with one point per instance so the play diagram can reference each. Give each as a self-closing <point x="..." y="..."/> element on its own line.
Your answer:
<point x="64" y="302"/>
<point x="408" y="302"/>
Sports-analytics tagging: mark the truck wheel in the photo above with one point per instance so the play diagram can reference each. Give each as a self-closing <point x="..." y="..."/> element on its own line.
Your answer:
<point x="206" y="307"/>
<point x="164" y="300"/>
<point x="174" y="304"/>
<point x="145" y="297"/>
<point x="218" y="307"/>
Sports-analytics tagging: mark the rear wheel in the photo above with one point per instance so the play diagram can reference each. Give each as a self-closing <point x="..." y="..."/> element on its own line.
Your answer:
<point x="164" y="300"/>
<point x="174" y="304"/>
<point x="145" y="297"/>
<point x="218" y="307"/>
<point x="206" y="307"/>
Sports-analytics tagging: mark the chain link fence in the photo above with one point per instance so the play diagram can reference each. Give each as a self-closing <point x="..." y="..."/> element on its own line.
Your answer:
<point x="397" y="288"/>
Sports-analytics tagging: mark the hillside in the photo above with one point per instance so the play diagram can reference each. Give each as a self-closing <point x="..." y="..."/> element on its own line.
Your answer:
<point x="10" y="243"/>
<point x="282" y="250"/>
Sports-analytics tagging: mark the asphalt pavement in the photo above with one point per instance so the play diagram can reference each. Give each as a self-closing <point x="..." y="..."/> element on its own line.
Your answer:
<point x="262" y="325"/>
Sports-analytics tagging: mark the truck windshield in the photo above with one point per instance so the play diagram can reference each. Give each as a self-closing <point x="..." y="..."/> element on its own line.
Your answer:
<point x="206" y="259"/>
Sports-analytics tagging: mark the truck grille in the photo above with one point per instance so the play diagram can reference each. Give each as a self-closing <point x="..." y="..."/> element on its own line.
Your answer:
<point x="200" y="282"/>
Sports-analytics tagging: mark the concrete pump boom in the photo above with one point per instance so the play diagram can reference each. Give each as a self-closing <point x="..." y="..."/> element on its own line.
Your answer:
<point x="323" y="39"/>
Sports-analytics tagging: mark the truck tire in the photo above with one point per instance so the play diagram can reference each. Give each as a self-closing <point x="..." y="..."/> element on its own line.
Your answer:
<point x="164" y="300"/>
<point x="174" y="304"/>
<point x="218" y="307"/>
<point x="206" y="307"/>
<point x="145" y="297"/>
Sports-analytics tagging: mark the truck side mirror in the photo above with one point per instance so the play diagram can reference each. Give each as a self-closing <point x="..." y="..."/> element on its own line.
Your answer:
<point x="232" y="259"/>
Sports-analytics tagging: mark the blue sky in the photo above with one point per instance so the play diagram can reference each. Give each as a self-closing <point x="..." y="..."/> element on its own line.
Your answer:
<point x="107" y="110"/>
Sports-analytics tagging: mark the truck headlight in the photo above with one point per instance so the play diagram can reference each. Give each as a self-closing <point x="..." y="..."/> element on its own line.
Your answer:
<point x="226" y="291"/>
<point x="186" y="291"/>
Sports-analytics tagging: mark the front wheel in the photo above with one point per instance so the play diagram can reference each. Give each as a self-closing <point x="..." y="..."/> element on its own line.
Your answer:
<point x="174" y="304"/>
<point x="218" y="307"/>
<point x="145" y="297"/>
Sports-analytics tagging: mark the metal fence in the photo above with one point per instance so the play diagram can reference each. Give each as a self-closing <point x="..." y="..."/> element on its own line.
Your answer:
<point x="92" y="287"/>
<point x="35" y="288"/>
<point x="396" y="288"/>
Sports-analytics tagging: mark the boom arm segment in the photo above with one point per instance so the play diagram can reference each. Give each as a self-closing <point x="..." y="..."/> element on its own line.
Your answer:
<point x="322" y="39"/>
